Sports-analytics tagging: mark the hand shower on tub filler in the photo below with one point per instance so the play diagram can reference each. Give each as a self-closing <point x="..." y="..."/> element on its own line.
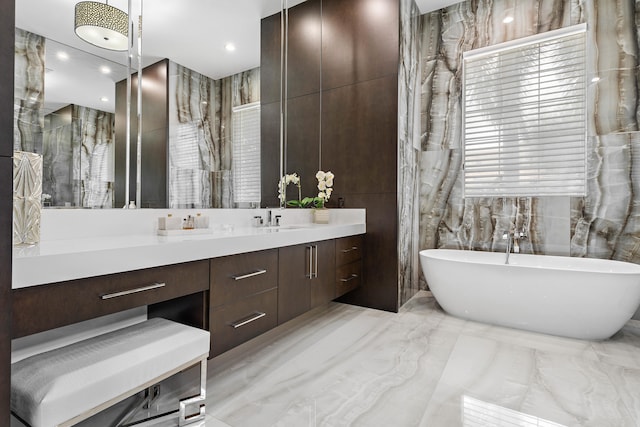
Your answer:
<point x="513" y="240"/>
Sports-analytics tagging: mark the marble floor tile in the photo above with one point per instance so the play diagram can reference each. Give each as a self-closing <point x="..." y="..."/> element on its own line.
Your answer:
<point x="552" y="387"/>
<point x="533" y="340"/>
<point x="623" y="349"/>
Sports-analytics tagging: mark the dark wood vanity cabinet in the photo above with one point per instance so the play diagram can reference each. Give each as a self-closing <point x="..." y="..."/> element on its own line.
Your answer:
<point x="243" y="298"/>
<point x="236" y="297"/>
<point x="44" y="307"/>
<point x="348" y="264"/>
<point x="306" y="276"/>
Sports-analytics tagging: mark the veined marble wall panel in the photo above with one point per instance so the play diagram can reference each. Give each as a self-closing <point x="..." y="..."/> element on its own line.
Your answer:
<point x="28" y="116"/>
<point x="200" y="145"/>
<point x="604" y="224"/>
<point x="57" y="183"/>
<point x="408" y="150"/>
<point x="93" y="156"/>
<point x="192" y="144"/>
<point x="246" y="87"/>
<point x="446" y="219"/>
<point x="78" y="151"/>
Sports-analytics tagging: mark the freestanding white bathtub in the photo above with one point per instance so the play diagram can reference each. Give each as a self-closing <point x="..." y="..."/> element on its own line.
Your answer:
<point x="571" y="297"/>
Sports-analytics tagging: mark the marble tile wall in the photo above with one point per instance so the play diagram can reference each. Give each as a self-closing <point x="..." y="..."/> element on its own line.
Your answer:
<point x="57" y="184"/>
<point x="408" y="149"/>
<point x="28" y="116"/>
<point x="200" y="145"/>
<point x="93" y="149"/>
<point x="604" y="224"/>
<point x="78" y="150"/>
<point x="77" y="145"/>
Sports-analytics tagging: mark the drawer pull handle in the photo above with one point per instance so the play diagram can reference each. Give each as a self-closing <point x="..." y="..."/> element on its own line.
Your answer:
<point x="246" y="276"/>
<point x="251" y="318"/>
<point x="133" y="291"/>
<point x="353" y="248"/>
<point x="350" y="278"/>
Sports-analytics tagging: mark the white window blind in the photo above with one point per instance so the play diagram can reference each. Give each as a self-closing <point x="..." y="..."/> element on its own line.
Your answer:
<point x="245" y="122"/>
<point x="525" y="116"/>
<point x="186" y="176"/>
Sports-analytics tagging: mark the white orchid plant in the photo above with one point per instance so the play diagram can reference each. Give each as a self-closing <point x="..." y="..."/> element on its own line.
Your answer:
<point x="286" y="180"/>
<point x="325" y="188"/>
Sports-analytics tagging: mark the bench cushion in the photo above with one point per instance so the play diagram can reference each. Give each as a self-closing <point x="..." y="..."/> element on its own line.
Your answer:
<point x="58" y="385"/>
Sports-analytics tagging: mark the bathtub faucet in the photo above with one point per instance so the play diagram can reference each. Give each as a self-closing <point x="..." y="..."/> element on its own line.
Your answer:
<point x="513" y="240"/>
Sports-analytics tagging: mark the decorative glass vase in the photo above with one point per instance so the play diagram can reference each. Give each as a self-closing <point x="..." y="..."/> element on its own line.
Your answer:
<point x="321" y="216"/>
<point x="27" y="197"/>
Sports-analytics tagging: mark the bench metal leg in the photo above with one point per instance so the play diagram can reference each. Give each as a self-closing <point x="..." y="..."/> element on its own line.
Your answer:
<point x="151" y="394"/>
<point x="198" y="400"/>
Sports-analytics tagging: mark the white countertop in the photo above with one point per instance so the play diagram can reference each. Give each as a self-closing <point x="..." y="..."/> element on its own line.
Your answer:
<point x="58" y="260"/>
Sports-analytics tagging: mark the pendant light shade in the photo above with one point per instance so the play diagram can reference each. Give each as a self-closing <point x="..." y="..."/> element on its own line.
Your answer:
<point x="102" y="25"/>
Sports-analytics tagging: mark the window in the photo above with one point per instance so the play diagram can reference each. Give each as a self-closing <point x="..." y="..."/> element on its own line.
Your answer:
<point x="245" y="122"/>
<point x="524" y="119"/>
<point x="187" y="183"/>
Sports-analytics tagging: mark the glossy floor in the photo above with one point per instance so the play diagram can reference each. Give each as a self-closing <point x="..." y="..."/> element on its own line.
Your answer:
<point x="353" y="366"/>
<point x="350" y="366"/>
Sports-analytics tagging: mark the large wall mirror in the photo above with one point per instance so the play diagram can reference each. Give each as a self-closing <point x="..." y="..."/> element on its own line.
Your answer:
<point x="201" y="101"/>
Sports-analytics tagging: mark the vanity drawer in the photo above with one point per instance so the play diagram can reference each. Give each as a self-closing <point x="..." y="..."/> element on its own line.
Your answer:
<point x="43" y="307"/>
<point x="235" y="323"/>
<point x="239" y="276"/>
<point x="348" y="277"/>
<point x="348" y="249"/>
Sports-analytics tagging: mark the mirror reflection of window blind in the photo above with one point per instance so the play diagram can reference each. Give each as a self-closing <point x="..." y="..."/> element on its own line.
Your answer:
<point x="186" y="165"/>
<point x="525" y="116"/>
<point x="245" y="123"/>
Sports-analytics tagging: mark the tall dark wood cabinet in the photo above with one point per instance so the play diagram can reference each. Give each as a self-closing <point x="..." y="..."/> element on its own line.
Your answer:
<point x="155" y="137"/>
<point x="7" y="47"/>
<point x="302" y="154"/>
<point x="302" y="93"/>
<point x="354" y="116"/>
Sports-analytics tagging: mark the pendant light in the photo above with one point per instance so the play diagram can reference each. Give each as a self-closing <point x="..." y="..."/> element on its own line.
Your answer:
<point x="102" y="25"/>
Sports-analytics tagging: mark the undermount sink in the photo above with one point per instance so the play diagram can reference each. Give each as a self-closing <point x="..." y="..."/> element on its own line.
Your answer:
<point x="286" y="227"/>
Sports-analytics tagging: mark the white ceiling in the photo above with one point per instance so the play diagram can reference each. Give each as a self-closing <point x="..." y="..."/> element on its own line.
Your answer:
<point x="190" y="32"/>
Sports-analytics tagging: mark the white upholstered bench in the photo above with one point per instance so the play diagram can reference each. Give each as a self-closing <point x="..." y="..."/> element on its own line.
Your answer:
<point x="64" y="386"/>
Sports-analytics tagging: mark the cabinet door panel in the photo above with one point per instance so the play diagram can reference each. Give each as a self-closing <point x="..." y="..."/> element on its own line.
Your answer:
<point x="358" y="45"/>
<point x="322" y="286"/>
<point x="360" y="136"/>
<point x="294" y="287"/>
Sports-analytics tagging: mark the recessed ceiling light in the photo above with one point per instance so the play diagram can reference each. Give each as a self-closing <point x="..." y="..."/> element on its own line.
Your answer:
<point x="230" y="47"/>
<point x="105" y="70"/>
<point x="62" y="55"/>
<point x="508" y="19"/>
<point x="104" y="99"/>
<point x="595" y="79"/>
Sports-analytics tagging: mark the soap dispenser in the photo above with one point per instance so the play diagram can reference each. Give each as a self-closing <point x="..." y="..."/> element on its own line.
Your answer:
<point x="188" y="223"/>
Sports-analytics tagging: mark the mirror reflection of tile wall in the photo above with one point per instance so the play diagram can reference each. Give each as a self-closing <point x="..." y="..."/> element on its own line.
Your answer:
<point x="28" y="116"/>
<point x="200" y="135"/>
<point x="76" y="142"/>
<point x="78" y="158"/>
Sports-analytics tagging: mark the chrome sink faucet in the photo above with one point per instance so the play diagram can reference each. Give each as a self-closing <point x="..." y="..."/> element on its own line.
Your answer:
<point x="513" y="240"/>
